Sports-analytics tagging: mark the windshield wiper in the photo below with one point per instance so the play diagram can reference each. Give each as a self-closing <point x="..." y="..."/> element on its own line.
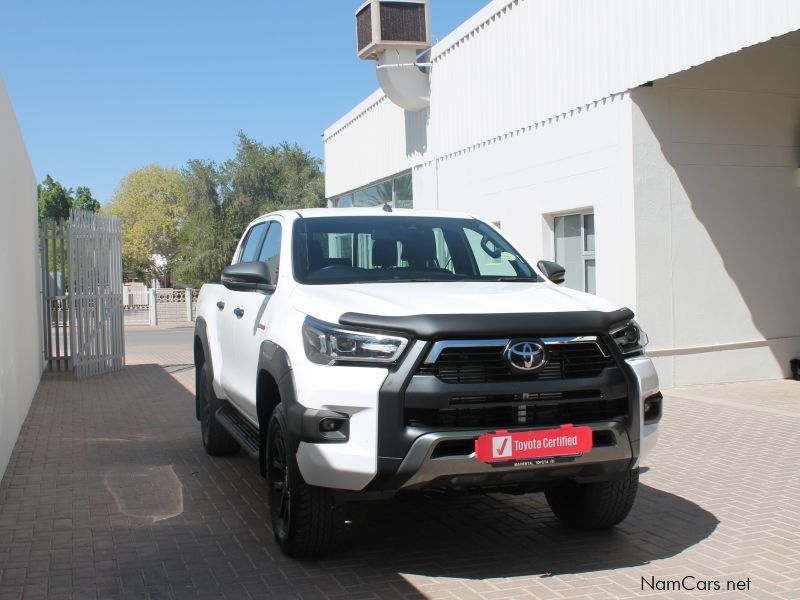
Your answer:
<point x="415" y="280"/>
<point x="515" y="279"/>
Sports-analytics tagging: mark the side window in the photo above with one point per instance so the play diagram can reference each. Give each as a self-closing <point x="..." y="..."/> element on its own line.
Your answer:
<point x="271" y="250"/>
<point x="252" y="243"/>
<point x="487" y="264"/>
<point x="574" y="241"/>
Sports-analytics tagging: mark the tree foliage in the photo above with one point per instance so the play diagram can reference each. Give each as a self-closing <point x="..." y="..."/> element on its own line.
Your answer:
<point x="84" y="199"/>
<point x="204" y="245"/>
<point x="151" y="205"/>
<point x="222" y="199"/>
<point x="55" y="201"/>
<point x="191" y="219"/>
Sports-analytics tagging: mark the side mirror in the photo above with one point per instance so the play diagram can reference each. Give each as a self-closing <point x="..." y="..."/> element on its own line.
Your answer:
<point x="553" y="271"/>
<point x="246" y="277"/>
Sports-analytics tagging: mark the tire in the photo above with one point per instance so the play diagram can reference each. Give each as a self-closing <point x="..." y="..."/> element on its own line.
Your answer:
<point x="216" y="441"/>
<point x="594" y="505"/>
<point x="306" y="520"/>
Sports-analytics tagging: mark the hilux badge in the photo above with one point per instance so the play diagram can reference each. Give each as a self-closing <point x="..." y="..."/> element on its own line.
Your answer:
<point x="526" y="356"/>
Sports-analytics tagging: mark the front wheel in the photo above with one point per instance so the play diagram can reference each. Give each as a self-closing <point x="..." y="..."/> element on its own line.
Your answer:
<point x="306" y="520"/>
<point x="594" y="505"/>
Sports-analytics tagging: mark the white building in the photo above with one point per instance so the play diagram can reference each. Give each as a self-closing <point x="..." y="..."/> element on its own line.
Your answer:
<point x="20" y="298"/>
<point x="650" y="147"/>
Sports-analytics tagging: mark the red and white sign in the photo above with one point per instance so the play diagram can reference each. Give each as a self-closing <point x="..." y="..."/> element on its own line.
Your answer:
<point x="503" y="446"/>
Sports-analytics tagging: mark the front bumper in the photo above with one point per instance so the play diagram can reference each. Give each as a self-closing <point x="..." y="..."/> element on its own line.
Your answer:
<point x="434" y="461"/>
<point x="385" y="454"/>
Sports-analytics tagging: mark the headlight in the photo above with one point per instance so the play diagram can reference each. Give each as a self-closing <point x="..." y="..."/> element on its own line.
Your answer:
<point x="326" y="345"/>
<point x="630" y="338"/>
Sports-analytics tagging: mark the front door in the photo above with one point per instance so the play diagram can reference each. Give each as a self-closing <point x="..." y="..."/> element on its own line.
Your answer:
<point x="229" y="318"/>
<point x="251" y="327"/>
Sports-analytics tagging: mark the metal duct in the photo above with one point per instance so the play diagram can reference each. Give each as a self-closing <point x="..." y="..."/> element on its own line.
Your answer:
<point x="402" y="80"/>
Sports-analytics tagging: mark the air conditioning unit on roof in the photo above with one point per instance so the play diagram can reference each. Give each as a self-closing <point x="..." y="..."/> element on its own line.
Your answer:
<point x="393" y="33"/>
<point x="385" y="24"/>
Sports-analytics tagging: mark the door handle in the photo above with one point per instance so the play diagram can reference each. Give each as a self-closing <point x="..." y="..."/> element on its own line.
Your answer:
<point x="220" y="305"/>
<point x="239" y="312"/>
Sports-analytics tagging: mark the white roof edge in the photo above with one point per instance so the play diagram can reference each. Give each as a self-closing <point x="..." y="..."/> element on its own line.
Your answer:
<point x="354" y="113"/>
<point x="474" y="22"/>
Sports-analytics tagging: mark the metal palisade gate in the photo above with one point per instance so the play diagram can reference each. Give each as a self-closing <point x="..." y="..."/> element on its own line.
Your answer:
<point x="82" y="289"/>
<point x="55" y="314"/>
<point x="95" y="293"/>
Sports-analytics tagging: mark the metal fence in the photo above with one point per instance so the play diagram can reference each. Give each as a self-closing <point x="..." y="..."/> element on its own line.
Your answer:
<point x="82" y="289"/>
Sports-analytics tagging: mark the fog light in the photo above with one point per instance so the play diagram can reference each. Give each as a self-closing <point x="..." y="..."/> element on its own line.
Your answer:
<point x="329" y="425"/>
<point x="652" y="409"/>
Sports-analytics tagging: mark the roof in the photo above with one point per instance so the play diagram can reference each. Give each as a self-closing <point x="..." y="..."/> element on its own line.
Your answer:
<point x="378" y="210"/>
<point x="307" y="213"/>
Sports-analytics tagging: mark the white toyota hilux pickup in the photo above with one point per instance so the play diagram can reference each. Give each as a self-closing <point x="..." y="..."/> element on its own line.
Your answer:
<point x="358" y="353"/>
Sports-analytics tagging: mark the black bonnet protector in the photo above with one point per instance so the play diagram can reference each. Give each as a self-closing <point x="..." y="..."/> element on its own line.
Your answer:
<point x="464" y="326"/>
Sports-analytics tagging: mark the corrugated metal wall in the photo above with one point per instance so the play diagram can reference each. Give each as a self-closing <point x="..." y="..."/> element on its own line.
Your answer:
<point x="535" y="59"/>
<point x="381" y="140"/>
<point x="521" y="62"/>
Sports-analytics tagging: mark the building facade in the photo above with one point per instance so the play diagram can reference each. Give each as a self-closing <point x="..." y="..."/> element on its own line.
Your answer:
<point x="651" y="148"/>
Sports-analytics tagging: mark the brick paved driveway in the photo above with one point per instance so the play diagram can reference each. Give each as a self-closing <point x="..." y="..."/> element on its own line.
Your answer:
<point x="109" y="494"/>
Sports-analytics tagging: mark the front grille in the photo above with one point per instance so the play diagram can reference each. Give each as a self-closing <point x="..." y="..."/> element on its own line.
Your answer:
<point x="500" y="414"/>
<point x="485" y="364"/>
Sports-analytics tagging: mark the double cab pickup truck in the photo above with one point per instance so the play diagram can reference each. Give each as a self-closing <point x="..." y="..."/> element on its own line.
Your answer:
<point x="359" y="353"/>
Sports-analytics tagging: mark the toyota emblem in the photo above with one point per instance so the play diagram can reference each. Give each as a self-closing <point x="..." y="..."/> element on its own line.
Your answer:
<point x="526" y="356"/>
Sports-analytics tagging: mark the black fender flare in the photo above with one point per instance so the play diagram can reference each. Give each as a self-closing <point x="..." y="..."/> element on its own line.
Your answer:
<point x="274" y="360"/>
<point x="302" y="424"/>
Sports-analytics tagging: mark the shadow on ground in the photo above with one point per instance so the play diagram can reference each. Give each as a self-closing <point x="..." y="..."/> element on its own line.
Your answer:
<point x="109" y="494"/>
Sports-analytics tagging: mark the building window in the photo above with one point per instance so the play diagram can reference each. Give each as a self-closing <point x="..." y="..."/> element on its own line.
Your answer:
<point x="574" y="241"/>
<point x="396" y="191"/>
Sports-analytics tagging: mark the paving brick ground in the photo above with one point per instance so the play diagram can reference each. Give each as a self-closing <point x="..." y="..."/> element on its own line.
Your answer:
<point x="109" y="494"/>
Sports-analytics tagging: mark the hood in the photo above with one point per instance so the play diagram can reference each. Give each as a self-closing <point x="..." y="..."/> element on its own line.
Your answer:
<point x="329" y="302"/>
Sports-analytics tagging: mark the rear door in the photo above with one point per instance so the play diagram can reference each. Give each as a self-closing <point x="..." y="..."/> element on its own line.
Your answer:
<point x="227" y="317"/>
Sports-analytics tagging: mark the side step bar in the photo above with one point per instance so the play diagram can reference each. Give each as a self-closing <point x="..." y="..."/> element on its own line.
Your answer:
<point x="240" y="428"/>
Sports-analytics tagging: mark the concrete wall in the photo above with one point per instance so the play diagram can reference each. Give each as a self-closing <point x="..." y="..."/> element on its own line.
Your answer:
<point x="20" y="302"/>
<point x="578" y="161"/>
<point x="716" y="153"/>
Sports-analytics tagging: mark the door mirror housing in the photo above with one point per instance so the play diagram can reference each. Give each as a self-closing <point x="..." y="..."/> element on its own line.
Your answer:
<point x="248" y="277"/>
<point x="553" y="271"/>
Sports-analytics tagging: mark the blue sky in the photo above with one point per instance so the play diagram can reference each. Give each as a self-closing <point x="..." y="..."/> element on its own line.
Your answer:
<point x="101" y="87"/>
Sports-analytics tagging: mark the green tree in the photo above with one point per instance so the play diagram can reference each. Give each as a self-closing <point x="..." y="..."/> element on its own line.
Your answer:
<point x="151" y="205"/>
<point x="85" y="200"/>
<point x="222" y="200"/>
<point x="55" y="201"/>
<point x="260" y="179"/>
<point x="204" y="247"/>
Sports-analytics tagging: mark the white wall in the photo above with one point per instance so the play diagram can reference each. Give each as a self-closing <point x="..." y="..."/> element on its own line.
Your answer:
<point x="578" y="161"/>
<point x="379" y="140"/>
<point x="517" y="63"/>
<point x="20" y="302"/>
<point x="716" y="153"/>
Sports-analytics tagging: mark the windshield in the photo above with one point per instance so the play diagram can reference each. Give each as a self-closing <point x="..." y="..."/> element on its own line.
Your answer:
<point x="389" y="248"/>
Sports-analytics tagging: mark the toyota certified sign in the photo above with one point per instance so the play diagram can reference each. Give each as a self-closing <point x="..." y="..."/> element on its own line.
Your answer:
<point x="526" y="356"/>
